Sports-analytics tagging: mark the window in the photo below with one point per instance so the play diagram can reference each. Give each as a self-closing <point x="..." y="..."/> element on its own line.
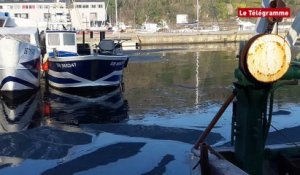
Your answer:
<point x="53" y="39"/>
<point x="22" y="37"/>
<point x="93" y="6"/>
<point x="100" y="6"/>
<point x="78" y="6"/>
<point x="93" y="16"/>
<point x="85" y="6"/>
<point x="47" y="16"/>
<point x="24" y="15"/>
<point x="1" y="7"/>
<point x="21" y="15"/>
<point x="69" y="39"/>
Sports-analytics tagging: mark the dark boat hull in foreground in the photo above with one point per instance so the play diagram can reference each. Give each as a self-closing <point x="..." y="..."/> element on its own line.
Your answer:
<point x="86" y="71"/>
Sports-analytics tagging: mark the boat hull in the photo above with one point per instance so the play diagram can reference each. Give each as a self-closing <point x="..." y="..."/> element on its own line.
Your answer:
<point x="92" y="71"/>
<point x="19" y="65"/>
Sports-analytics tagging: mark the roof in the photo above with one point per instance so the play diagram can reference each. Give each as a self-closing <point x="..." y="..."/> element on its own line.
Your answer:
<point x="45" y="1"/>
<point x="18" y="30"/>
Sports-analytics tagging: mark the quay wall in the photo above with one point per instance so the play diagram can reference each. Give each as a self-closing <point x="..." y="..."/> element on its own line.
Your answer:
<point x="196" y="38"/>
<point x="173" y="38"/>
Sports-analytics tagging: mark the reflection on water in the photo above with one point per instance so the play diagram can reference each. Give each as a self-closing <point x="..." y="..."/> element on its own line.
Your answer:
<point x="76" y="109"/>
<point x="20" y="113"/>
<point x="180" y="81"/>
<point x="170" y="96"/>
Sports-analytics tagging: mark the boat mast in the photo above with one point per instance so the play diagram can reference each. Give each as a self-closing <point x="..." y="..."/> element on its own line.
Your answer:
<point x="197" y="12"/>
<point x="116" y="8"/>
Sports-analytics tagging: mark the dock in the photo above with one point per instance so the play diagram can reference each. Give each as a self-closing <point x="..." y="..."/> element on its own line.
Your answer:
<point x="166" y="38"/>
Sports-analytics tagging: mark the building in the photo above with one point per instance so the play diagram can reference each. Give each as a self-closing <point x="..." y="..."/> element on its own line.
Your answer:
<point x="182" y="19"/>
<point x="84" y="14"/>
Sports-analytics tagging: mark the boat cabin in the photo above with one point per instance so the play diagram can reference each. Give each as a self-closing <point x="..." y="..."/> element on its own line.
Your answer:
<point x="62" y="40"/>
<point x="18" y="28"/>
<point x="25" y="34"/>
<point x="22" y="29"/>
<point x="64" y="43"/>
<point x="7" y="21"/>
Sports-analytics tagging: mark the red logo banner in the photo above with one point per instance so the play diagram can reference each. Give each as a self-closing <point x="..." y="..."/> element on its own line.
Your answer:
<point x="264" y="12"/>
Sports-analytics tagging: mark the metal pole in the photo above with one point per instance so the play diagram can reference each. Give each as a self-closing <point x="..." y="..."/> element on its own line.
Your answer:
<point x="116" y="4"/>
<point x="83" y="37"/>
<point x="214" y="120"/>
<point x="197" y="12"/>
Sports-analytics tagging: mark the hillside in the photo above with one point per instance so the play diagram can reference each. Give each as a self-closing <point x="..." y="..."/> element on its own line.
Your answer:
<point x="135" y="12"/>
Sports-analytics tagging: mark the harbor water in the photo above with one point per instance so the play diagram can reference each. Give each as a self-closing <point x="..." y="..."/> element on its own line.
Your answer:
<point x="148" y="126"/>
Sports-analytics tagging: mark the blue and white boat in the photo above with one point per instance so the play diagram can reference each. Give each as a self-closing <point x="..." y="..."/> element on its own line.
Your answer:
<point x="71" y="67"/>
<point x="19" y="55"/>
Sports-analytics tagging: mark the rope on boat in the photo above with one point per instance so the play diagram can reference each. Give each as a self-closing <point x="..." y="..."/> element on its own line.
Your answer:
<point x="267" y="122"/>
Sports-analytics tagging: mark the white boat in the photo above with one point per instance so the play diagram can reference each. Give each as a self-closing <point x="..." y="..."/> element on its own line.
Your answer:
<point x="19" y="55"/>
<point x="213" y="28"/>
<point x="245" y="25"/>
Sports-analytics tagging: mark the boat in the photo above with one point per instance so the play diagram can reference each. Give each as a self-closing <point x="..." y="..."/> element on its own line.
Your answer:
<point x="80" y="65"/>
<point x="245" y="25"/>
<point x="19" y="56"/>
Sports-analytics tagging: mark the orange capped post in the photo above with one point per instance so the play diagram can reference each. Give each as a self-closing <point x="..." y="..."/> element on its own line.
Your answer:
<point x="45" y="66"/>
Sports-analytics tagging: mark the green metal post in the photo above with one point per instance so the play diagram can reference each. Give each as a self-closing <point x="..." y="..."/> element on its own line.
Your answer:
<point x="249" y="129"/>
<point x="249" y="126"/>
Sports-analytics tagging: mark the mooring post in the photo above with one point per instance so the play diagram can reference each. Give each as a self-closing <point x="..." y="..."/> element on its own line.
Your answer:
<point x="259" y="69"/>
<point x="251" y="102"/>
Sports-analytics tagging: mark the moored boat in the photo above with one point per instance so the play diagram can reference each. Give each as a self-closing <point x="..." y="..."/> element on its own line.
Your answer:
<point x="19" y="56"/>
<point x="68" y="69"/>
<point x="75" y="65"/>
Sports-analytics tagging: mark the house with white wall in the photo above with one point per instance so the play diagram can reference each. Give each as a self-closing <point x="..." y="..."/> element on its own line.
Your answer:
<point x="84" y="14"/>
